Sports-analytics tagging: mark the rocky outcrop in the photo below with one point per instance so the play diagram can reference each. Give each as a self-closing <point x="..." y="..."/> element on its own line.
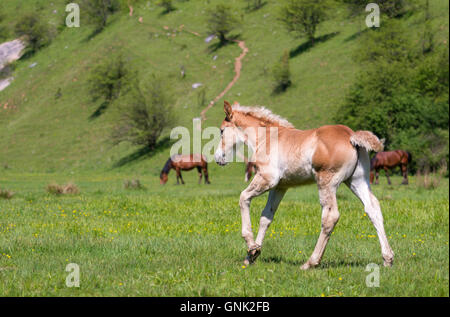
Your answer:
<point x="9" y="52"/>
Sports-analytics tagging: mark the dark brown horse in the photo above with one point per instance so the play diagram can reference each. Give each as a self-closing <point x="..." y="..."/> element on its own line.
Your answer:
<point x="185" y="163"/>
<point x="389" y="160"/>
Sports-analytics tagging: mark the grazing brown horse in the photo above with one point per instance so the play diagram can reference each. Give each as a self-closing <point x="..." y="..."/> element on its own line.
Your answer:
<point x="389" y="160"/>
<point x="185" y="163"/>
<point x="329" y="155"/>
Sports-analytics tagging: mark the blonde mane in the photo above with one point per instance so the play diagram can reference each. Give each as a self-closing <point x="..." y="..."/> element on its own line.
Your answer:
<point x="263" y="114"/>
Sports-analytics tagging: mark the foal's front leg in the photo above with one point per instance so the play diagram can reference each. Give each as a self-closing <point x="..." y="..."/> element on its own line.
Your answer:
<point x="275" y="197"/>
<point x="258" y="186"/>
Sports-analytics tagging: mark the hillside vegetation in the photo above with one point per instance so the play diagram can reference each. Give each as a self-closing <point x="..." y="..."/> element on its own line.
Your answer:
<point x="50" y="123"/>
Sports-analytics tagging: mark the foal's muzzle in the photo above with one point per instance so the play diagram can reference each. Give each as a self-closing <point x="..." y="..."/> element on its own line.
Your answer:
<point x="219" y="157"/>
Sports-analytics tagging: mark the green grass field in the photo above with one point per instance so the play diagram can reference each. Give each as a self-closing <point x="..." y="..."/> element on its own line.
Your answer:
<point x="185" y="240"/>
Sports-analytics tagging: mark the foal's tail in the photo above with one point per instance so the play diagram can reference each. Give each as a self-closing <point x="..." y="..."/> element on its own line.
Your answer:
<point x="367" y="140"/>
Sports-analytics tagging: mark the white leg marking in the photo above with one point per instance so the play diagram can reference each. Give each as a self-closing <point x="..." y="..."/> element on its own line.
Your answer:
<point x="359" y="185"/>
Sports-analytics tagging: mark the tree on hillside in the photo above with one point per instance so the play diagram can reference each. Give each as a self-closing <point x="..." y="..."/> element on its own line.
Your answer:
<point x="301" y="17"/>
<point x="144" y="114"/>
<point x="221" y="21"/>
<point x="167" y="5"/>
<point x="393" y="8"/>
<point x="282" y="74"/>
<point x="35" y="31"/>
<point x="98" y="11"/>
<point x="254" y="4"/>
<point x="110" y="78"/>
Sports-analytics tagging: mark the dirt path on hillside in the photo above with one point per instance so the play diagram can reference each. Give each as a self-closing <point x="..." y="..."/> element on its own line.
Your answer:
<point x="237" y="70"/>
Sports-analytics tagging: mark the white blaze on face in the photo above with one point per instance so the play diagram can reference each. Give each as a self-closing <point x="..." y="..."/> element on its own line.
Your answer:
<point x="224" y="153"/>
<point x="218" y="156"/>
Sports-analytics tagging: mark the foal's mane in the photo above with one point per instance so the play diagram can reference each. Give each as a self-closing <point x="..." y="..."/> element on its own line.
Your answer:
<point x="263" y="114"/>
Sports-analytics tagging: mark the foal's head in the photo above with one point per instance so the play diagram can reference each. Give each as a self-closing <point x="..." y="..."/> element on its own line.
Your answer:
<point x="230" y="136"/>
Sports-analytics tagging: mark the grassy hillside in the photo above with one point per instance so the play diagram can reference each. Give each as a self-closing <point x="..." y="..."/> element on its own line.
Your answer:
<point x="42" y="133"/>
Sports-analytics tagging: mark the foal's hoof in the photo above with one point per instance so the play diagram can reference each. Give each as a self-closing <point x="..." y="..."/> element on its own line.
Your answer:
<point x="252" y="255"/>
<point x="388" y="263"/>
<point x="306" y="266"/>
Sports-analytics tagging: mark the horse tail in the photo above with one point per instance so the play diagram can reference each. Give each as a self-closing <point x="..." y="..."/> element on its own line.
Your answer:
<point x="409" y="157"/>
<point x="373" y="161"/>
<point x="367" y="140"/>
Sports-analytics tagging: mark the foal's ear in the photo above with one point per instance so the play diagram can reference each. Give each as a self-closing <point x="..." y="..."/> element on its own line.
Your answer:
<point x="228" y="109"/>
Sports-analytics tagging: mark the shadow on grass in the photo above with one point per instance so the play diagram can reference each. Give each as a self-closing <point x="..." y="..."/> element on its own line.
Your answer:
<point x="100" y="110"/>
<point x="279" y="89"/>
<point x="302" y="48"/>
<point x="216" y="46"/>
<point x="166" y="11"/>
<point x="93" y="34"/>
<point x="356" y="35"/>
<point x="144" y="153"/>
<point x="339" y="263"/>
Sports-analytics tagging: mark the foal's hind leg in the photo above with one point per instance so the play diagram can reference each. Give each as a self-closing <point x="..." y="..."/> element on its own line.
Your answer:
<point x="359" y="185"/>
<point x="330" y="216"/>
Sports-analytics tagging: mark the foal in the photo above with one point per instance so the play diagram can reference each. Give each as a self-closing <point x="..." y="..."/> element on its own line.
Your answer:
<point x="329" y="155"/>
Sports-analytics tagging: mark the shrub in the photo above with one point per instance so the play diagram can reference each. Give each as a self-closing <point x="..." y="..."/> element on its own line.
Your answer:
<point x="167" y="5"/>
<point x="254" y="4"/>
<point x="393" y="8"/>
<point x="109" y="78"/>
<point x="282" y="73"/>
<point x="144" y="114"/>
<point x="221" y="21"/>
<point x="56" y="189"/>
<point x="133" y="184"/>
<point x="301" y="17"/>
<point x="6" y="194"/>
<point x="98" y="12"/>
<point x="36" y="32"/>
<point x="201" y="96"/>
<point x="427" y="180"/>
